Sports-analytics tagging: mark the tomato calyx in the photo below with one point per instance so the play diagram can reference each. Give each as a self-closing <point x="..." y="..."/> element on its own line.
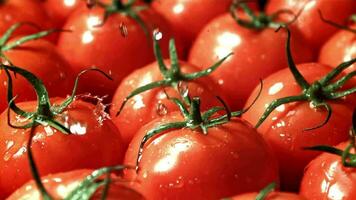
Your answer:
<point x="5" y="46"/>
<point x="127" y="9"/>
<point x="259" y="21"/>
<point x="348" y="159"/>
<point x="46" y="112"/>
<point x="193" y="119"/>
<point x="343" y="27"/>
<point x="172" y="77"/>
<point x="317" y="92"/>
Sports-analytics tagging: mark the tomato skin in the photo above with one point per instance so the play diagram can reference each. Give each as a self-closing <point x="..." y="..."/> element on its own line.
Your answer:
<point x="326" y="178"/>
<point x="59" y="185"/>
<point x="270" y="196"/>
<point x="13" y="11"/>
<point x="341" y="47"/>
<point x="59" y="10"/>
<point x="145" y="107"/>
<point x="107" y="47"/>
<point x="92" y="144"/>
<point x="283" y="129"/>
<point x="309" y="23"/>
<point x="178" y="164"/>
<point x="257" y="54"/>
<point x="42" y="59"/>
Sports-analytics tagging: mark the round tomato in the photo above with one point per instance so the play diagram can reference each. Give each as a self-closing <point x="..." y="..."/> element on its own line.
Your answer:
<point x="14" y="11"/>
<point x="326" y="178"/>
<point x="309" y="22"/>
<point x="60" y="185"/>
<point x="152" y="104"/>
<point x="41" y="58"/>
<point x="256" y="54"/>
<point x="285" y="128"/>
<point x="339" y="48"/>
<point x="94" y="142"/>
<point x="184" y="163"/>
<point x="189" y="17"/>
<point x="117" y="45"/>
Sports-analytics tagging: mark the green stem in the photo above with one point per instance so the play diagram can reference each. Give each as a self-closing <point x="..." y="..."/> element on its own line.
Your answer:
<point x="268" y="189"/>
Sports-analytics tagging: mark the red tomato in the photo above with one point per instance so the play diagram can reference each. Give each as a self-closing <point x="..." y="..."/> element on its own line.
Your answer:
<point x="326" y="178"/>
<point x="270" y="196"/>
<point x="189" y="17"/>
<point x="94" y="142"/>
<point x="41" y="58"/>
<point x="186" y="164"/>
<point x="309" y="23"/>
<point x="118" y="47"/>
<point x="61" y="184"/>
<point x="285" y="127"/>
<point x="339" y="48"/>
<point x="152" y="104"/>
<point x="59" y="10"/>
<point x="257" y="54"/>
<point x="13" y="11"/>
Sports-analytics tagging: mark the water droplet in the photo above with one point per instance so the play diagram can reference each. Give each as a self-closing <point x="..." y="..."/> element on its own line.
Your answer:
<point x="157" y="35"/>
<point x="7" y="156"/>
<point x="183" y="88"/>
<point x="161" y="109"/>
<point x="123" y="29"/>
<point x="78" y="128"/>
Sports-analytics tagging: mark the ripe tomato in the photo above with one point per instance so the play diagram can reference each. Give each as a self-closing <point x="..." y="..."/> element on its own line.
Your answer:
<point x="184" y="163"/>
<point x="118" y="46"/>
<point x="339" y="48"/>
<point x="309" y="23"/>
<point x="41" y="58"/>
<point x="326" y="178"/>
<point x="152" y="104"/>
<point x="285" y="127"/>
<point x="61" y="185"/>
<point x="59" y="10"/>
<point x="13" y="11"/>
<point x="189" y="17"/>
<point x="270" y="196"/>
<point x="257" y="54"/>
<point x="94" y="142"/>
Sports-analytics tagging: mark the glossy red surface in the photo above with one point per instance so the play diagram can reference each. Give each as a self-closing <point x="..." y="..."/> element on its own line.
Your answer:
<point x="284" y="128"/>
<point x="118" y="47"/>
<point x="186" y="164"/>
<point x="61" y="184"/>
<point x="257" y="54"/>
<point x="13" y="11"/>
<point x="149" y="105"/>
<point x="341" y="47"/>
<point x="309" y="23"/>
<point x="326" y="178"/>
<point x="95" y="142"/>
<point x="270" y="196"/>
<point x="42" y="59"/>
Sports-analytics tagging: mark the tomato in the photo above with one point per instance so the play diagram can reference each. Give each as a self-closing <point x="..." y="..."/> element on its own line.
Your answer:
<point x="118" y="46"/>
<point x="285" y="128"/>
<point x="326" y="178"/>
<point x="94" y="142"/>
<point x="339" y="48"/>
<point x="152" y="104"/>
<point x="58" y="11"/>
<point x="309" y="23"/>
<point x="189" y="17"/>
<point x="41" y="58"/>
<point x="186" y="164"/>
<point x="61" y="184"/>
<point x="257" y="54"/>
<point x="13" y="11"/>
<point x="270" y="196"/>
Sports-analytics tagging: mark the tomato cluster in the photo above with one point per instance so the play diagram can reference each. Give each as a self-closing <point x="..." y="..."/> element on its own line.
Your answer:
<point x="178" y="99"/>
